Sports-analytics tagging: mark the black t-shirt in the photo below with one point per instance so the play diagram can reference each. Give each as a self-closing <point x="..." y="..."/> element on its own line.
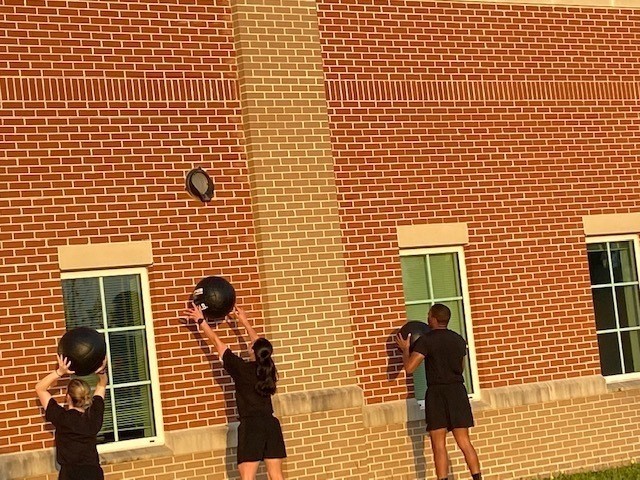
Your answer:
<point x="444" y="351"/>
<point x="249" y="402"/>
<point x="76" y="432"/>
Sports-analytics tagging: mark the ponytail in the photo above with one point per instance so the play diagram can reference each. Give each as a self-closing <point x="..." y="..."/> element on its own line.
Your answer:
<point x="79" y="392"/>
<point x="266" y="370"/>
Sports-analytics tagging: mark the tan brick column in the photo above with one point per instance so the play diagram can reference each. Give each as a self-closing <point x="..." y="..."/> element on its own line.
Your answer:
<point x="294" y="192"/>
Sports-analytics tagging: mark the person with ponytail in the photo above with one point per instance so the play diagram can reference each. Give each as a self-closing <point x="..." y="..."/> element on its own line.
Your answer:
<point x="259" y="433"/>
<point x="78" y="425"/>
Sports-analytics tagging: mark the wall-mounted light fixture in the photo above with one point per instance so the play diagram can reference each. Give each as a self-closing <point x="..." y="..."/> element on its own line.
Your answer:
<point x="200" y="185"/>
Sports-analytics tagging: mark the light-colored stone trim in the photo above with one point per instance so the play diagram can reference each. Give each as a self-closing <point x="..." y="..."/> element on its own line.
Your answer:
<point x="222" y="437"/>
<point x="542" y="392"/>
<point x="18" y="465"/>
<point x="324" y="400"/>
<point x="611" y="224"/>
<point x="389" y="413"/>
<point x="403" y="411"/>
<point x="15" y="466"/>
<point x="432" y="235"/>
<point x="216" y="438"/>
<point x="94" y="256"/>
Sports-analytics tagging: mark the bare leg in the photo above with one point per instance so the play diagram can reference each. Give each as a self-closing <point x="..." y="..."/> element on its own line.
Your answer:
<point x="248" y="470"/>
<point x="274" y="468"/>
<point x="439" y="447"/>
<point x="464" y="442"/>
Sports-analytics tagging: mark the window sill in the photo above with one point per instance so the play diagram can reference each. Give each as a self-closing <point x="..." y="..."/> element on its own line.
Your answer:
<point x="135" y="454"/>
<point x="623" y="385"/>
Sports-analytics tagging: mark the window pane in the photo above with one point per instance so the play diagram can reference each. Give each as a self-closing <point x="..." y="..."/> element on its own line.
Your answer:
<point x="628" y="305"/>
<point x="82" y="303"/>
<point x="631" y="350"/>
<point x="609" y="354"/>
<point x="134" y="408"/>
<point x="414" y="278"/>
<point x="123" y="301"/>
<point x="467" y="374"/>
<point x="457" y="317"/>
<point x="427" y="279"/>
<point x="598" y="264"/>
<point x="418" y="312"/>
<point x="444" y="270"/>
<point x="603" y="307"/>
<point x="623" y="262"/>
<point x="119" y="313"/>
<point x="129" y="356"/>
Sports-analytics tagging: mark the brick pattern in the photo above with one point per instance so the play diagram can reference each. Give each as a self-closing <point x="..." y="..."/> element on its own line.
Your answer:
<point x="427" y="41"/>
<point x="128" y="39"/>
<point x="517" y="120"/>
<point x="540" y="440"/>
<point x="514" y="119"/>
<point x="533" y="441"/>
<point x="294" y="193"/>
<point x="104" y="107"/>
<point x="338" y="434"/>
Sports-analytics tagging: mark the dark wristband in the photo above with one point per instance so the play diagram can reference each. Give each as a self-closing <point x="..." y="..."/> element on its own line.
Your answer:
<point x="200" y="320"/>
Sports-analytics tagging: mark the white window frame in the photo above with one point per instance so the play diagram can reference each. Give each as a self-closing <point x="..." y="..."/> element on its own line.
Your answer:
<point x="159" y="439"/>
<point x="459" y="250"/>
<point x="623" y="377"/>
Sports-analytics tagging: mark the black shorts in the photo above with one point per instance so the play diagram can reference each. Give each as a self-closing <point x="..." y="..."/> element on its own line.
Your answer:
<point x="80" y="472"/>
<point x="448" y="406"/>
<point x="260" y="438"/>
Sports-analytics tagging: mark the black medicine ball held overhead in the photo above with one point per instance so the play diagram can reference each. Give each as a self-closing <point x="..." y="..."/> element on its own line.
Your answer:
<point x="85" y="348"/>
<point x="216" y="296"/>
<point x="416" y="329"/>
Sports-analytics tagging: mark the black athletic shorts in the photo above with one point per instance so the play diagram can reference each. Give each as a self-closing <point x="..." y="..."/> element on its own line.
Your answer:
<point x="80" y="472"/>
<point x="260" y="438"/>
<point x="448" y="406"/>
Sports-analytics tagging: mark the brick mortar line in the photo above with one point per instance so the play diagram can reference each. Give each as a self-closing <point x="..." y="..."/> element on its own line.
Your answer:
<point x="116" y="89"/>
<point x="454" y="90"/>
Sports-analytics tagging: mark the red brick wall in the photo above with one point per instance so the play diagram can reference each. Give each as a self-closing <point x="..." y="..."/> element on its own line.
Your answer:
<point x="104" y="108"/>
<point x="514" y="119"/>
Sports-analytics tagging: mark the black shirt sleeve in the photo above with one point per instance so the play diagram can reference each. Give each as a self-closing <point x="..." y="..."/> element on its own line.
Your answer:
<point x="53" y="412"/>
<point x="96" y="414"/>
<point x="421" y="345"/>
<point x="232" y="363"/>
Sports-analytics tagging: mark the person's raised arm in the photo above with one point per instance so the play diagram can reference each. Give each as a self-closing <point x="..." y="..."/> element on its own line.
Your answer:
<point x="42" y="387"/>
<point x="241" y="316"/>
<point x="101" y="387"/>
<point x="195" y="314"/>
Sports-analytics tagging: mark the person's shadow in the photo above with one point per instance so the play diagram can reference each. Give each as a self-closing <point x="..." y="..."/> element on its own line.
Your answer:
<point x="222" y="378"/>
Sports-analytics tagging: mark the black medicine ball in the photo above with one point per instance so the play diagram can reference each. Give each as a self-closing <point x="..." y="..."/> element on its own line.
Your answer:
<point x="416" y="329"/>
<point x="216" y="296"/>
<point x="85" y="348"/>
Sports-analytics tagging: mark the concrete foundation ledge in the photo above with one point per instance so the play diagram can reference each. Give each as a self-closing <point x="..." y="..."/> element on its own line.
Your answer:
<point x="541" y="392"/>
<point x="297" y="403"/>
<point x="203" y="439"/>
<point x="14" y="466"/>
<point x="389" y="413"/>
<point x="623" y="385"/>
<point x="27" y="464"/>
